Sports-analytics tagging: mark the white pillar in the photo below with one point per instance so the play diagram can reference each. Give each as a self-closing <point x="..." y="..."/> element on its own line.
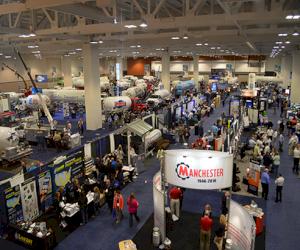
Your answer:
<point x="66" y="63"/>
<point x="119" y="68"/>
<point x="165" y="70"/>
<point x="295" y="85"/>
<point x="92" y="89"/>
<point x="286" y="68"/>
<point x="196" y="71"/>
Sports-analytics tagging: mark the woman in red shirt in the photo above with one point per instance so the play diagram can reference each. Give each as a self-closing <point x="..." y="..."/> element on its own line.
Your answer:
<point x="118" y="205"/>
<point x="132" y="205"/>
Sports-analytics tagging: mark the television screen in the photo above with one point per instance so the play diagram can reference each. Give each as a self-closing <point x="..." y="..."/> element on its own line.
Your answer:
<point x="214" y="87"/>
<point x="41" y="78"/>
<point x="249" y="104"/>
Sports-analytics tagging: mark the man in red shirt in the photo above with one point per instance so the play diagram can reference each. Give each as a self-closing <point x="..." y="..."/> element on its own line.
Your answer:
<point x="205" y="231"/>
<point x="175" y="196"/>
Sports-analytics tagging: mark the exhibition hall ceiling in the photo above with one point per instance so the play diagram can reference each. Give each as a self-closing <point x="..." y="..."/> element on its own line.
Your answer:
<point x="47" y="28"/>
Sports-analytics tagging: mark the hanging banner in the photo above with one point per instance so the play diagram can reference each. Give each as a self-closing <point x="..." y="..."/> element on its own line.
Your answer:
<point x="241" y="228"/>
<point x="198" y="169"/>
<point x="29" y="200"/>
<point x="159" y="207"/>
<point x="45" y="190"/>
<point x="75" y="161"/>
<point x="13" y="204"/>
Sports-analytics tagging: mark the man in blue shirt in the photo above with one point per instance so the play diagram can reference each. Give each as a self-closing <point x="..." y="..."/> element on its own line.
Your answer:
<point x="265" y="181"/>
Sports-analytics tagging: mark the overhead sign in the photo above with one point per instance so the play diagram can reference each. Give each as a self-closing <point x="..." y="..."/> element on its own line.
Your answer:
<point x="198" y="169"/>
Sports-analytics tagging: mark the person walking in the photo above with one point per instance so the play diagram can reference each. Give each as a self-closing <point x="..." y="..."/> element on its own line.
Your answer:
<point x="80" y="126"/>
<point x="265" y="182"/>
<point x="206" y="224"/>
<point x="281" y="141"/>
<point x="296" y="155"/>
<point x="82" y="202"/>
<point x="175" y="196"/>
<point x="279" y="185"/>
<point x="276" y="163"/>
<point x="132" y="205"/>
<point x="118" y="205"/>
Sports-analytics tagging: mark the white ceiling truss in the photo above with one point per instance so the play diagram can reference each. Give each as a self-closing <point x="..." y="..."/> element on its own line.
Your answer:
<point x="60" y="26"/>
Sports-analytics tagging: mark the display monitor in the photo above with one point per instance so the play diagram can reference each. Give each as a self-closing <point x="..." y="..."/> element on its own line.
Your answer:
<point x="249" y="104"/>
<point x="214" y="87"/>
<point x="178" y="112"/>
<point x="41" y="78"/>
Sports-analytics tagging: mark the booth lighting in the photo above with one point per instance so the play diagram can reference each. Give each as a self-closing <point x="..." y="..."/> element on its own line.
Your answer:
<point x="295" y="33"/>
<point x="287" y="42"/>
<point x="130" y="26"/>
<point x="282" y="34"/>
<point x="175" y="37"/>
<point x="27" y="35"/>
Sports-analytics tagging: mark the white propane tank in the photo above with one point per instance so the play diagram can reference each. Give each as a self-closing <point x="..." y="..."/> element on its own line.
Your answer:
<point x="8" y="138"/>
<point x="13" y="96"/>
<point x="156" y="237"/>
<point x="69" y="95"/>
<point x="152" y="137"/>
<point x="124" y="83"/>
<point x="163" y="93"/>
<point x="33" y="101"/>
<point x="251" y="81"/>
<point x="142" y="85"/>
<point x="116" y="103"/>
<point x="139" y="81"/>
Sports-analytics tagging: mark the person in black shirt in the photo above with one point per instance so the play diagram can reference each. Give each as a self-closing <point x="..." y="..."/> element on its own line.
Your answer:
<point x="82" y="202"/>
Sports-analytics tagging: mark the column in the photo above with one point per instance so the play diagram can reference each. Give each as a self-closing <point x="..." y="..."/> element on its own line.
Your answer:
<point x="295" y="85"/>
<point x="165" y="71"/>
<point x="286" y="68"/>
<point x="92" y="89"/>
<point x="196" y="71"/>
<point x="119" y="68"/>
<point x="67" y="70"/>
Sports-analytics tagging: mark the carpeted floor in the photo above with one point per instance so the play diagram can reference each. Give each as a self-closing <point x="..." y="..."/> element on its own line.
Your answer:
<point x="183" y="239"/>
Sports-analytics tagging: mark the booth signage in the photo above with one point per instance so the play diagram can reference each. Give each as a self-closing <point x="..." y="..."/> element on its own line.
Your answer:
<point x="45" y="190"/>
<point x="29" y="200"/>
<point x="76" y="162"/>
<point x="13" y="204"/>
<point x="198" y="169"/>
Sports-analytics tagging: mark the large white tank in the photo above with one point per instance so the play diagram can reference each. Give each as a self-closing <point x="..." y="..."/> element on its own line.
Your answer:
<point x="139" y="81"/>
<point x="8" y="138"/>
<point x="65" y="95"/>
<point x="152" y="137"/>
<point x="124" y="83"/>
<point x="137" y="91"/>
<point x="163" y="93"/>
<point x="13" y="96"/>
<point x="78" y="82"/>
<point x="116" y="103"/>
<point x="33" y="101"/>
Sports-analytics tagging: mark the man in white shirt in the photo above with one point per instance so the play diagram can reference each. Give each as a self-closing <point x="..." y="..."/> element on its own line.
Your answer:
<point x="270" y="133"/>
<point x="279" y="185"/>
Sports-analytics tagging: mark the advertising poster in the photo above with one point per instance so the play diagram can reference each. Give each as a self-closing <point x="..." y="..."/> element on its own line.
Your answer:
<point x="75" y="161"/>
<point x="13" y="204"/>
<point x="198" y="169"/>
<point x="235" y="108"/>
<point x="253" y="177"/>
<point x="45" y="190"/>
<point x="61" y="176"/>
<point x="29" y="200"/>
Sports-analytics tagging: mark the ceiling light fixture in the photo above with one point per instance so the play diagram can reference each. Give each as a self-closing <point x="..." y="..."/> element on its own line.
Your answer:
<point x="282" y="34"/>
<point x="278" y="42"/>
<point x="130" y="26"/>
<point x="175" y="37"/>
<point x="27" y="35"/>
<point x="198" y="44"/>
<point x="93" y="42"/>
<point x="185" y="37"/>
<point x="282" y="47"/>
<point x="143" y="24"/>
<point x="287" y="42"/>
<point x="36" y="52"/>
<point x="138" y="46"/>
<point x="295" y="33"/>
<point x="100" y="41"/>
<point x="7" y="57"/>
<point x="289" y="17"/>
<point x="32" y="46"/>
<point x="206" y="44"/>
<point x="79" y="49"/>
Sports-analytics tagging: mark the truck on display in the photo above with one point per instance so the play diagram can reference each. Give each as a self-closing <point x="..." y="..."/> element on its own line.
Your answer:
<point x="122" y="103"/>
<point x="181" y="87"/>
<point x="158" y="98"/>
<point x="138" y="105"/>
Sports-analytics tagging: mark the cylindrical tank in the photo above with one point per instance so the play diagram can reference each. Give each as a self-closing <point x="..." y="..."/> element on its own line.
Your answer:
<point x="156" y="237"/>
<point x="116" y="103"/>
<point x="8" y="138"/>
<point x="152" y="137"/>
<point x="142" y="85"/>
<point x="33" y="101"/>
<point x="162" y="93"/>
<point x="124" y="83"/>
<point x="139" y="81"/>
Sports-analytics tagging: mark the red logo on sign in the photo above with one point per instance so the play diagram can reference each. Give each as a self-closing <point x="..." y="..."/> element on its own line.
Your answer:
<point x="120" y="104"/>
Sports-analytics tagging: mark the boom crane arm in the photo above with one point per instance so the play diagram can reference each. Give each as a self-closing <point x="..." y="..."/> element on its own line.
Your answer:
<point x="44" y="106"/>
<point x="20" y="76"/>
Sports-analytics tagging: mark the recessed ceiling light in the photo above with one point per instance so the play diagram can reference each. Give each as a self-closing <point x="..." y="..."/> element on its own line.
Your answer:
<point x="132" y="46"/>
<point x="112" y="51"/>
<point x="32" y="46"/>
<point x="130" y="26"/>
<point x="143" y="25"/>
<point x="138" y="46"/>
<point x="72" y="53"/>
<point x="282" y="34"/>
<point x="185" y="37"/>
<point x="206" y="44"/>
<point x="213" y="48"/>
<point x="198" y="44"/>
<point x="93" y="42"/>
<point x="295" y="33"/>
<point x="100" y="41"/>
<point x="36" y="52"/>
<point x="218" y="47"/>
<point x="282" y="47"/>
<point x="296" y="17"/>
<point x="221" y="50"/>
<point x="278" y="42"/>
<point x="287" y="42"/>
<point x="175" y="37"/>
<point x="275" y="47"/>
<point x="66" y="55"/>
<point x="289" y="17"/>
<point x="78" y="49"/>
<point x="7" y="57"/>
